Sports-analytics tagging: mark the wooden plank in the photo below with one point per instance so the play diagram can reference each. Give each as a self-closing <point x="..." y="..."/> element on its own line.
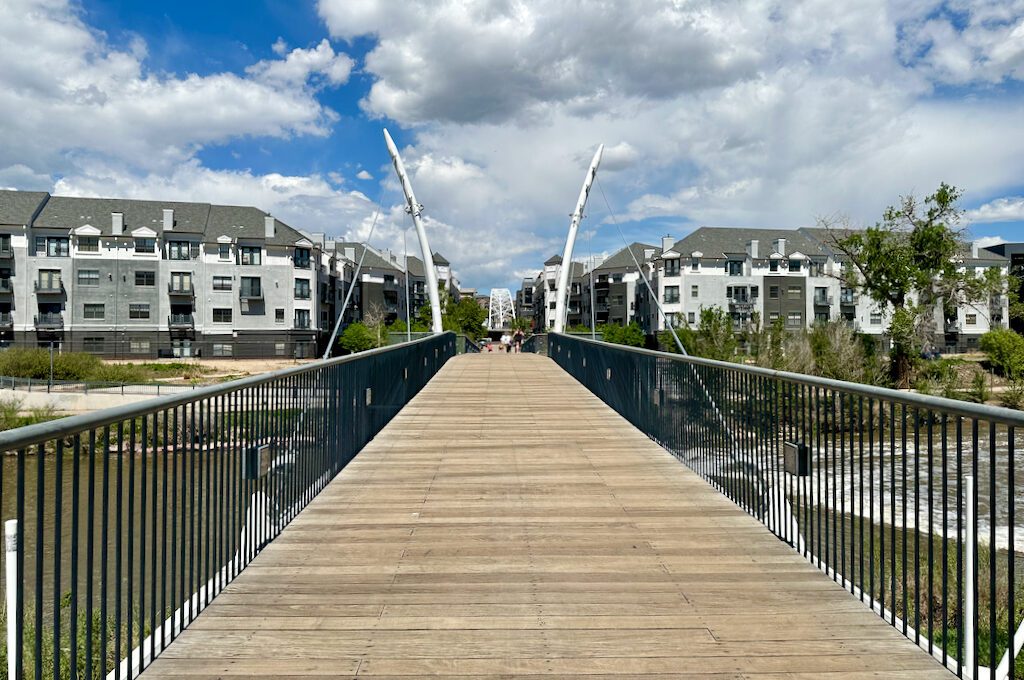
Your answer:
<point x="507" y="523"/>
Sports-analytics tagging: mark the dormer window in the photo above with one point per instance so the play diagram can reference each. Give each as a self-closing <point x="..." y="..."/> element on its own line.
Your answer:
<point x="794" y="265"/>
<point x="182" y="250"/>
<point x="224" y="251"/>
<point x="251" y="254"/>
<point x="672" y="267"/>
<point x="734" y="267"/>
<point x="88" y="244"/>
<point x="145" y="245"/>
<point x="694" y="264"/>
<point x="773" y="265"/>
<point x="302" y="258"/>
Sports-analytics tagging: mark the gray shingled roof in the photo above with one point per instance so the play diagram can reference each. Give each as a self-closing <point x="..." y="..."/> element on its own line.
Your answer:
<point x="246" y="222"/>
<point x="372" y="259"/>
<point x="554" y="259"/>
<point x="440" y="259"/>
<point x="66" y="212"/>
<point x="18" y="207"/>
<point x="622" y="259"/>
<point x="717" y="242"/>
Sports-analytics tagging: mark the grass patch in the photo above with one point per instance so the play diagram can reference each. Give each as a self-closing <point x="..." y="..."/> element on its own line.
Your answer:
<point x="34" y="363"/>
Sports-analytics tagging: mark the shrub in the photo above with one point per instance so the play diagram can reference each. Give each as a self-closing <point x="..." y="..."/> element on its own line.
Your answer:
<point x="1005" y="350"/>
<point x="1013" y="396"/>
<point x="979" y="391"/>
<point x="357" y="338"/>
<point x="630" y="335"/>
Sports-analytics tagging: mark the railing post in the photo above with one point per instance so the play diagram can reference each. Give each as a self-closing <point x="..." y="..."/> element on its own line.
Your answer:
<point x="970" y="579"/>
<point x="11" y="556"/>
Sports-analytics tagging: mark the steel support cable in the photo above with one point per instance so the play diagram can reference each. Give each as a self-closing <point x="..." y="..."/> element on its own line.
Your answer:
<point x="735" y="453"/>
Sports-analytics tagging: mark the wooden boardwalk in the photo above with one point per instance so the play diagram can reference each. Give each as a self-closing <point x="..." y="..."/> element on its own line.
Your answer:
<point x="508" y="523"/>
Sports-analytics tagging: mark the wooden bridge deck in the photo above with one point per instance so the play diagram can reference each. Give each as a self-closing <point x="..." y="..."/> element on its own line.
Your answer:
<point x="508" y="523"/>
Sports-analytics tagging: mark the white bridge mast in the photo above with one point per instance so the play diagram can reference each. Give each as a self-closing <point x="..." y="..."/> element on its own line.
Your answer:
<point x="414" y="209"/>
<point x="500" y="309"/>
<point x="562" y="299"/>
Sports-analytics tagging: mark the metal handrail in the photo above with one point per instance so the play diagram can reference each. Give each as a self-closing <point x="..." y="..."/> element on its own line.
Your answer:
<point x="849" y="475"/>
<point x="171" y="498"/>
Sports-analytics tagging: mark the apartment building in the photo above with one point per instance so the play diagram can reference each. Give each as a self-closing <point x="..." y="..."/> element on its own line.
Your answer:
<point x="795" y="277"/>
<point x="616" y="285"/>
<point x="135" y="278"/>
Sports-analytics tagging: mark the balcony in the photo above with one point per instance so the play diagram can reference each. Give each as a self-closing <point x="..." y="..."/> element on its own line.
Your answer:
<point x="49" y="321"/>
<point x="6" y="320"/>
<point x="49" y="286"/>
<point x="6" y="252"/>
<point x="952" y="326"/>
<point x="601" y="307"/>
<point x="6" y="286"/>
<point x="302" y="324"/>
<point x="824" y="301"/>
<point x="179" y="321"/>
<point x="251" y="293"/>
<point x="848" y="298"/>
<point x="180" y="287"/>
<point x="741" y="304"/>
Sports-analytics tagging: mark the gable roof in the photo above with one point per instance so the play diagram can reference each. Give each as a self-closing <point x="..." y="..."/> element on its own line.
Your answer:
<point x="623" y="259"/>
<point x="719" y="242"/>
<point x="19" y="207"/>
<point x="372" y="259"/>
<point x="440" y="259"/>
<point x="70" y="212"/>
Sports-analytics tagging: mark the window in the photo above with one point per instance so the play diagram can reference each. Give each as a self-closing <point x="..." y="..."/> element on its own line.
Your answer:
<point x="224" y="251"/>
<point x="88" y="277"/>
<point x="279" y="349"/>
<point x="691" y="317"/>
<point x="821" y="317"/>
<point x="222" y="283"/>
<point x="49" y="279"/>
<point x="793" y="292"/>
<point x="794" y="319"/>
<point x="301" y="289"/>
<point x="92" y="344"/>
<point x="876" y="318"/>
<point x="551" y="305"/>
<point x="181" y="282"/>
<point x="251" y="254"/>
<point x="671" y="294"/>
<point x="972" y="319"/>
<point x="302" y="258"/>
<point x="773" y="316"/>
<point x="794" y="265"/>
<point x="302" y="318"/>
<point x="672" y="267"/>
<point x="734" y="267"/>
<point x="138" y="345"/>
<point x="94" y="311"/>
<point x="145" y="245"/>
<point x="250" y="287"/>
<point x="773" y="292"/>
<point x="138" y="310"/>
<point x="145" y="278"/>
<point x="753" y="292"/>
<point x="694" y="291"/>
<point x="88" y="244"/>
<point x="820" y="295"/>
<point x="694" y="264"/>
<point x="222" y="315"/>
<point x="221" y="349"/>
<point x="182" y="250"/>
<point x="57" y="246"/>
<point x="279" y="315"/>
<point x="616" y="278"/>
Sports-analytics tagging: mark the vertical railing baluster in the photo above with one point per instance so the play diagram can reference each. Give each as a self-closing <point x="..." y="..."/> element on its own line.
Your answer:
<point x="76" y="480"/>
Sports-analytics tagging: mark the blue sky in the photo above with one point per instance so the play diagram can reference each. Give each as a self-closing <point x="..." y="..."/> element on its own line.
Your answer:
<point x="717" y="113"/>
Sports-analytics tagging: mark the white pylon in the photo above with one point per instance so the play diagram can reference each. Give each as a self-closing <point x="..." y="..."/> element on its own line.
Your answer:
<point x="562" y="291"/>
<point x="500" y="309"/>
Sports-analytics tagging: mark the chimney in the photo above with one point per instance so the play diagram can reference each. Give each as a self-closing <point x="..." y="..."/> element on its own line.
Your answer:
<point x="752" y="248"/>
<point x="168" y="219"/>
<point x="648" y="254"/>
<point x="269" y="226"/>
<point x="318" y="238"/>
<point x="667" y="242"/>
<point x="974" y="249"/>
<point x="350" y="254"/>
<point x="780" y="246"/>
<point x="116" y="223"/>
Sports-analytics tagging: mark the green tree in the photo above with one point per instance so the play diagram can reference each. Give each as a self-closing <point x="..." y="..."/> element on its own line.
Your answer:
<point x="631" y="335"/>
<point x="910" y="261"/>
<point x="715" y="338"/>
<point x="1005" y="350"/>
<point x="358" y="338"/>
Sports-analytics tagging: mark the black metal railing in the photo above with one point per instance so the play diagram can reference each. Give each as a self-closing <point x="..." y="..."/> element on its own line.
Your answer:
<point x="536" y="344"/>
<point x="467" y="346"/>
<point x="49" y="320"/>
<point x="180" y="321"/>
<point x="178" y="286"/>
<point x="132" y="519"/>
<point x="908" y="501"/>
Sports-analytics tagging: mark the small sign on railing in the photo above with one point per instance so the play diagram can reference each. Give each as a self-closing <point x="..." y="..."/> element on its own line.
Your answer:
<point x="258" y="461"/>
<point x="797" y="458"/>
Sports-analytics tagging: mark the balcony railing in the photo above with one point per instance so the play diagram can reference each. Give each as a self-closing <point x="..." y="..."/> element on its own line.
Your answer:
<point x="223" y="471"/>
<point x="49" y="320"/>
<point x="302" y="324"/>
<point x="181" y="321"/>
<point x="181" y="287"/>
<point x="952" y="326"/>
<point x="49" y="287"/>
<point x="909" y="502"/>
<point x="848" y="298"/>
<point x="6" y="319"/>
<point x="823" y="300"/>
<point x="6" y="286"/>
<point x="6" y="252"/>
<point x="251" y="293"/>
